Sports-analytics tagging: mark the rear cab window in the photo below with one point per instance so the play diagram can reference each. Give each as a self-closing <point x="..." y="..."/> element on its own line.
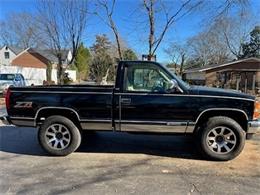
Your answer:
<point x="8" y="77"/>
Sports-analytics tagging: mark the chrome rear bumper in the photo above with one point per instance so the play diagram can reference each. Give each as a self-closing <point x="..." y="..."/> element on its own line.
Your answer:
<point x="253" y="127"/>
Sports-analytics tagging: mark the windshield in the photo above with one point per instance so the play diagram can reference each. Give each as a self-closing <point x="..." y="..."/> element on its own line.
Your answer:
<point x="180" y="81"/>
<point x="7" y="77"/>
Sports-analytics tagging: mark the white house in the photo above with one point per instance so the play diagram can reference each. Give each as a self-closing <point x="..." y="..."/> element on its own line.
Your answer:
<point x="32" y="63"/>
<point x="8" y="53"/>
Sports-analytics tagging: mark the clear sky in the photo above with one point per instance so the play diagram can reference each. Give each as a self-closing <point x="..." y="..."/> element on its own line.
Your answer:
<point x="130" y="21"/>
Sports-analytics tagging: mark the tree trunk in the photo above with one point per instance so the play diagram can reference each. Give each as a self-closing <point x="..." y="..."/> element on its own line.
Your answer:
<point x="60" y="72"/>
<point x="151" y="36"/>
<point x="182" y="64"/>
<point x="118" y="46"/>
<point x="49" y="72"/>
<point x="150" y="10"/>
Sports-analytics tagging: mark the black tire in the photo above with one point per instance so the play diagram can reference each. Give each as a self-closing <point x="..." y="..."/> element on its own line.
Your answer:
<point x="221" y="147"/>
<point x="68" y="128"/>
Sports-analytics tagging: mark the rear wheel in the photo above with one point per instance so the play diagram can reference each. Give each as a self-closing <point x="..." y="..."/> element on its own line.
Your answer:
<point x="59" y="136"/>
<point x="221" y="138"/>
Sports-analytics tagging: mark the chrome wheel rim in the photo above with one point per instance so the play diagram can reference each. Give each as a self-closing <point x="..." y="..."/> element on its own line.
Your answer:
<point x="221" y="140"/>
<point x="58" y="136"/>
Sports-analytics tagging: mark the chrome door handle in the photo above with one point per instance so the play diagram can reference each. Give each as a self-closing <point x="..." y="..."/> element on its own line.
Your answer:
<point x="125" y="100"/>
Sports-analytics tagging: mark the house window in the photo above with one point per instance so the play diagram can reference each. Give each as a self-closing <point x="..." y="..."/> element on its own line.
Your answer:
<point x="7" y="55"/>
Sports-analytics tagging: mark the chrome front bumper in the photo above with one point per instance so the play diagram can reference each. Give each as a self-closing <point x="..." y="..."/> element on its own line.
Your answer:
<point x="253" y="127"/>
<point x="5" y="120"/>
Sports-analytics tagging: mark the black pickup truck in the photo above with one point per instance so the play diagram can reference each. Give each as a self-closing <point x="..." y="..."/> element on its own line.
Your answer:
<point x="146" y="98"/>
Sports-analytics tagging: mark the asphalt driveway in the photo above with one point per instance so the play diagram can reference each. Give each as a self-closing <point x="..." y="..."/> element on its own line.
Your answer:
<point x="118" y="163"/>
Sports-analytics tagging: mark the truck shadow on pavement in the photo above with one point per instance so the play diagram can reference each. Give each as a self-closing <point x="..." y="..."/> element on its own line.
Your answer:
<point x="24" y="141"/>
<point x="158" y="145"/>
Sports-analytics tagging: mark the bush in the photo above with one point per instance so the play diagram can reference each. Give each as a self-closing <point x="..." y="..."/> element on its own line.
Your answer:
<point x="67" y="79"/>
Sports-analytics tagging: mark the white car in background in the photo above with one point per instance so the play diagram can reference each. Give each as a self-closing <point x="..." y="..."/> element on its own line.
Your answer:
<point x="7" y="80"/>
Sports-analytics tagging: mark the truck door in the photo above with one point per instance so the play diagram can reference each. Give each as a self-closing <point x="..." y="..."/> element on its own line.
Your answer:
<point x="147" y="103"/>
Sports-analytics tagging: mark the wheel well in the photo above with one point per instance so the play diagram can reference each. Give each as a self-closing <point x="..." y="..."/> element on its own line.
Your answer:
<point x="238" y="116"/>
<point x="45" y="113"/>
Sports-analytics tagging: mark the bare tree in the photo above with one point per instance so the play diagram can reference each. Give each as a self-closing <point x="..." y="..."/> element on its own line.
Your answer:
<point x="178" y="54"/>
<point x="235" y="31"/>
<point x="155" y="9"/>
<point x="222" y="40"/>
<point x="62" y="24"/>
<point x="218" y="9"/>
<point x="232" y="28"/>
<point x="208" y="47"/>
<point x="150" y="11"/>
<point x="170" y="17"/>
<point x="19" y="29"/>
<point x="109" y="21"/>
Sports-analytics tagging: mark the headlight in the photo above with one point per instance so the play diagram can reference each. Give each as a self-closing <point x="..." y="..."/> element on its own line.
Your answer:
<point x="256" y="110"/>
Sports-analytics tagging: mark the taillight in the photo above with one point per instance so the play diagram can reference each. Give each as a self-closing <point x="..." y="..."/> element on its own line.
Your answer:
<point x="257" y="110"/>
<point x="7" y="99"/>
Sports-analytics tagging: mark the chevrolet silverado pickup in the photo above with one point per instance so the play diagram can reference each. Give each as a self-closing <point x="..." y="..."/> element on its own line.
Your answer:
<point x="146" y="98"/>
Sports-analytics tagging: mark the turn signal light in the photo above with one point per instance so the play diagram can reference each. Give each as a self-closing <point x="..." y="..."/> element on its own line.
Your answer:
<point x="257" y="110"/>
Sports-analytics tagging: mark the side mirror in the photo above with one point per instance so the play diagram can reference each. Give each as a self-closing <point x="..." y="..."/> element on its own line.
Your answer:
<point x="174" y="84"/>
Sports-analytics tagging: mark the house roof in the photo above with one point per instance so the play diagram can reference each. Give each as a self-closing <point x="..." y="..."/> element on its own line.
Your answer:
<point x="210" y="67"/>
<point x="14" y="49"/>
<point x="48" y="54"/>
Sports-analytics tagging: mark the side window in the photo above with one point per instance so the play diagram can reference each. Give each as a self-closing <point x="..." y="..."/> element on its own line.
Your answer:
<point x="146" y="78"/>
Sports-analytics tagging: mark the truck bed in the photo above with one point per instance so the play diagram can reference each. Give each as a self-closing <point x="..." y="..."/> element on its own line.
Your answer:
<point x="89" y="101"/>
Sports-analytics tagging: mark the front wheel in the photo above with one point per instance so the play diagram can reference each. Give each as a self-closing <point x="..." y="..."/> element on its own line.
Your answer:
<point x="221" y="138"/>
<point x="59" y="136"/>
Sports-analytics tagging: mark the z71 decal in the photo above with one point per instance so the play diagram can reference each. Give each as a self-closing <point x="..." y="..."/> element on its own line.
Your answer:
<point x="23" y="105"/>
